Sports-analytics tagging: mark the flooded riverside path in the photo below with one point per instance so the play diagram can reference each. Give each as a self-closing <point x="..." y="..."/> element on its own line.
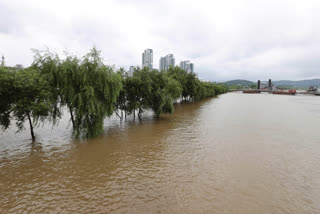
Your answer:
<point x="238" y="153"/>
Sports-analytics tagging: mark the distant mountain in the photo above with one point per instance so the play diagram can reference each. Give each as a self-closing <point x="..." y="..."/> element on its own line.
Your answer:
<point x="239" y="82"/>
<point x="300" y="83"/>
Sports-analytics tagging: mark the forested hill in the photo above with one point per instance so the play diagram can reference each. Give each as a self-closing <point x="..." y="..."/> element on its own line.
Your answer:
<point x="239" y="82"/>
<point x="299" y="83"/>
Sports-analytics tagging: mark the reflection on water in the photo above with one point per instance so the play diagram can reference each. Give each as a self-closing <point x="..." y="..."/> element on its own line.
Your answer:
<point x="238" y="153"/>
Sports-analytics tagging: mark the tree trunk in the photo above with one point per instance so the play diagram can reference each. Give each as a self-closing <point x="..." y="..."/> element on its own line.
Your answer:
<point x="118" y="115"/>
<point x="72" y="118"/>
<point x="134" y="114"/>
<point x="31" y="127"/>
<point x="139" y="113"/>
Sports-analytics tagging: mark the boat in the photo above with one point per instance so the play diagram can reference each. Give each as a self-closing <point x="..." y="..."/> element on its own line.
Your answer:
<point x="288" y="92"/>
<point x="312" y="89"/>
<point x="251" y="91"/>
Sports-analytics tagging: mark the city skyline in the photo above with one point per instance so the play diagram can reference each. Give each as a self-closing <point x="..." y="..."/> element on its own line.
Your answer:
<point x="165" y="62"/>
<point x="248" y="40"/>
<point x="187" y="66"/>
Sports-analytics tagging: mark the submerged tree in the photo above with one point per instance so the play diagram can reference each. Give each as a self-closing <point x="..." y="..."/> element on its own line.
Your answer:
<point x="48" y="64"/>
<point x="164" y="90"/>
<point x="87" y="87"/>
<point x="69" y="83"/>
<point x="152" y="90"/>
<point x="25" y="96"/>
<point x="95" y="94"/>
<point x="7" y="79"/>
<point x="121" y="103"/>
<point x="91" y="91"/>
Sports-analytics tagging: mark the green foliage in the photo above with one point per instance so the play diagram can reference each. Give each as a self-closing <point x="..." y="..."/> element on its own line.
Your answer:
<point x="164" y="90"/>
<point x="150" y="90"/>
<point x="7" y="98"/>
<point x="253" y="86"/>
<point x="24" y="95"/>
<point x="87" y="87"/>
<point x="158" y="91"/>
<point x="95" y="95"/>
<point x="48" y="66"/>
<point x="236" y="86"/>
<point x="180" y="76"/>
<point x="92" y="91"/>
<point x="192" y="87"/>
<point x="239" y="82"/>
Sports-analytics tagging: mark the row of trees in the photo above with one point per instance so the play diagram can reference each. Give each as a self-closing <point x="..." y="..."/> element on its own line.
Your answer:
<point x="91" y="91"/>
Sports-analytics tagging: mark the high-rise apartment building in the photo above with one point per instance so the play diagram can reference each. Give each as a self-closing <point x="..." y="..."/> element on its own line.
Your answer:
<point x="192" y="67"/>
<point x="187" y="66"/>
<point x="147" y="58"/>
<point x="131" y="70"/>
<point x="166" y="62"/>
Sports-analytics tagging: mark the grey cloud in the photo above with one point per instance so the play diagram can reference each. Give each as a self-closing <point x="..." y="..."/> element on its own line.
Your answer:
<point x="8" y="19"/>
<point x="225" y="39"/>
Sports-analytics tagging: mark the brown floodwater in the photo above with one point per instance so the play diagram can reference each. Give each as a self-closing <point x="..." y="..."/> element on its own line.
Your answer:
<point x="238" y="153"/>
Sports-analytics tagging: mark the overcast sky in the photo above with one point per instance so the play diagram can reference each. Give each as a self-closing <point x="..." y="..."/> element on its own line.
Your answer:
<point x="226" y="39"/>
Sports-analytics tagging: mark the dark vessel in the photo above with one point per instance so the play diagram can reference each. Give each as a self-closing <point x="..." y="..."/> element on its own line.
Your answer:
<point x="312" y="89"/>
<point x="289" y="92"/>
<point x="251" y="91"/>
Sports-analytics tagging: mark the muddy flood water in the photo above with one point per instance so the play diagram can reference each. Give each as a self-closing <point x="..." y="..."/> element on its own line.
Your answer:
<point x="238" y="153"/>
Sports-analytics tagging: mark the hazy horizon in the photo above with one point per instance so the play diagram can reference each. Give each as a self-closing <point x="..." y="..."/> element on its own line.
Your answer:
<point x="225" y="40"/>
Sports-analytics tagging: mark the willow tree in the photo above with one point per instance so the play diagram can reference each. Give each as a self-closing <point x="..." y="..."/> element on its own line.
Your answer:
<point x="7" y="91"/>
<point x="95" y="91"/>
<point x="121" y="103"/>
<point x="152" y="90"/>
<point x="180" y="75"/>
<point x="86" y="86"/>
<point x="138" y="90"/>
<point x="69" y="84"/>
<point x="164" y="90"/>
<point x="47" y="64"/>
<point x="25" y="96"/>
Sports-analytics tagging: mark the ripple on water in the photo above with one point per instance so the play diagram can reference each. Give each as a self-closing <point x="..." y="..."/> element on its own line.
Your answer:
<point x="234" y="154"/>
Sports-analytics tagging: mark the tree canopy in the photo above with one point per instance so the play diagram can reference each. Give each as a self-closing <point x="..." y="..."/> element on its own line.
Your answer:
<point x="24" y="96"/>
<point x="91" y="91"/>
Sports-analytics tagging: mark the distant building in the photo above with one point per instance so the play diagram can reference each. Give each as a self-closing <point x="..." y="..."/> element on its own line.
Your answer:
<point x="2" y="61"/>
<point x="166" y="62"/>
<point x="147" y="59"/>
<point x="192" y="67"/>
<point x="19" y="66"/>
<point x="187" y="66"/>
<point x="131" y="70"/>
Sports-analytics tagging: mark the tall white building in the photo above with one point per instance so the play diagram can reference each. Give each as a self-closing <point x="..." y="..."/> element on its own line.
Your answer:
<point x="166" y="62"/>
<point x="187" y="66"/>
<point x="147" y="59"/>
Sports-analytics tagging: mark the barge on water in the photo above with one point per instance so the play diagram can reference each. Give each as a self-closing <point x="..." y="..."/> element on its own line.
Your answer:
<point x="251" y="91"/>
<point x="289" y="92"/>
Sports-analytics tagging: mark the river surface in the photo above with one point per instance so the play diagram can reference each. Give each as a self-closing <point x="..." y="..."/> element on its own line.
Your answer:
<point x="237" y="153"/>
